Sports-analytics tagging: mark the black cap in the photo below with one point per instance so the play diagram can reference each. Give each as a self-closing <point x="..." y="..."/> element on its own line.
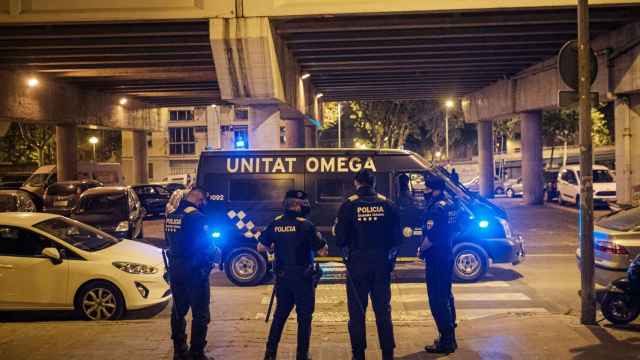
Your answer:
<point x="365" y="176"/>
<point x="435" y="183"/>
<point x="296" y="194"/>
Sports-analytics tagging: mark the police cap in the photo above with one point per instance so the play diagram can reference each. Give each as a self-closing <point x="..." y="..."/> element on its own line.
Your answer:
<point x="435" y="183"/>
<point x="296" y="194"/>
<point x="365" y="176"/>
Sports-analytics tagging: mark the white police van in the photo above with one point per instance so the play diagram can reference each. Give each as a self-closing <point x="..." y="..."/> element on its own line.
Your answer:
<point x="246" y="189"/>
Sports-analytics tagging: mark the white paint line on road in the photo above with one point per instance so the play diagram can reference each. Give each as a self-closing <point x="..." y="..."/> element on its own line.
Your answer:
<point x="552" y="255"/>
<point x="417" y="315"/>
<point x="420" y="298"/>
<point x="421" y="286"/>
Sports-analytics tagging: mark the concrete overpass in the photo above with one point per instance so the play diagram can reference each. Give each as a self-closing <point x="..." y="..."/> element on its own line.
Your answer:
<point x="255" y="53"/>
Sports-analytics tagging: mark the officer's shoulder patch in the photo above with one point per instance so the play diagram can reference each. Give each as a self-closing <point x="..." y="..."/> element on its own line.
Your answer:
<point x="353" y="197"/>
<point x="190" y="209"/>
<point x="381" y="197"/>
<point x="279" y="217"/>
<point x="301" y="219"/>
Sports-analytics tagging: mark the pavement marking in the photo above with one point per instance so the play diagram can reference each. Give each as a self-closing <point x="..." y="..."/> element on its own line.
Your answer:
<point x="551" y="255"/>
<point x="411" y="286"/>
<point x="417" y="315"/>
<point x="422" y="298"/>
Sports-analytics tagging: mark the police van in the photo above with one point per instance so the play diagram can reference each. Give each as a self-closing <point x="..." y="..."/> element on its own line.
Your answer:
<point x="246" y="188"/>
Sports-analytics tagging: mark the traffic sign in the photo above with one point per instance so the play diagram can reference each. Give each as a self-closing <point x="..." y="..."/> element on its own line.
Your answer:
<point x="568" y="65"/>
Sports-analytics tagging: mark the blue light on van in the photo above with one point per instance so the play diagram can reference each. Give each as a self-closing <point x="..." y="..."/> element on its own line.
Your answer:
<point x="483" y="224"/>
<point x="216" y="235"/>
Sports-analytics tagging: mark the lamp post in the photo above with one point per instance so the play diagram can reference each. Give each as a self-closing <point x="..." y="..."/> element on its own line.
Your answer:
<point x="93" y="141"/>
<point x="448" y="105"/>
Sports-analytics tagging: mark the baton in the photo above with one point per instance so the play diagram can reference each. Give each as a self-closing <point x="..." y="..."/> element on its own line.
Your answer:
<point x="273" y="292"/>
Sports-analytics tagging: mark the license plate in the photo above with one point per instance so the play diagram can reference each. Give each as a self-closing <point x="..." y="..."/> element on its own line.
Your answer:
<point x="63" y="203"/>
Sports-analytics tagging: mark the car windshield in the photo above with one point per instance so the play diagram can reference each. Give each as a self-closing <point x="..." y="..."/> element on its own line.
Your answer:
<point x="77" y="234"/>
<point x="113" y="204"/>
<point x="601" y="176"/>
<point x="624" y="220"/>
<point x="61" y="189"/>
<point x="37" y="180"/>
<point x="162" y="191"/>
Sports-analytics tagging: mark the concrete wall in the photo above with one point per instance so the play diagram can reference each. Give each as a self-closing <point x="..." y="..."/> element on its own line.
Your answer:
<point x="56" y="102"/>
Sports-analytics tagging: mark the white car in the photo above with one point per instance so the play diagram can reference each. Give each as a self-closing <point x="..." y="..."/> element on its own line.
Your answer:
<point x="50" y="262"/>
<point x="473" y="185"/>
<point x="604" y="185"/>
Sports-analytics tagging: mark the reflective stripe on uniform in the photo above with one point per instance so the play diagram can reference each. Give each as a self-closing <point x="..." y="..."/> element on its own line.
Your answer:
<point x="353" y="197"/>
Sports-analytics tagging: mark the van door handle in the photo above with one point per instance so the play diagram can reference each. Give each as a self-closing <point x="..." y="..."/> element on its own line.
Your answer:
<point x="3" y="266"/>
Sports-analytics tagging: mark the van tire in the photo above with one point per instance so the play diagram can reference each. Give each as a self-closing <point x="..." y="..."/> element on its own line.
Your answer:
<point x="245" y="267"/>
<point x="470" y="263"/>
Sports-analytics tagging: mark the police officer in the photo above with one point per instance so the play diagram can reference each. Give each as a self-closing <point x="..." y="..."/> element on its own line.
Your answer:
<point x="368" y="229"/>
<point x="294" y="241"/>
<point x="440" y="227"/>
<point x="191" y="256"/>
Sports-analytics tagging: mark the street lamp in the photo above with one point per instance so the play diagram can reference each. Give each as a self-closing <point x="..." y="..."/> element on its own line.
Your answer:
<point x="32" y="82"/>
<point x="93" y="141"/>
<point x="305" y="76"/>
<point x="447" y="105"/>
<point x="123" y="101"/>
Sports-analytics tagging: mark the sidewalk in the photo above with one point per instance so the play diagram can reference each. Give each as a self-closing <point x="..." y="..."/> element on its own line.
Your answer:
<point x="497" y="337"/>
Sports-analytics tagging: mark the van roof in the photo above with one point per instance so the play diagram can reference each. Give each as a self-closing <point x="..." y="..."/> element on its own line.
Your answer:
<point x="310" y="151"/>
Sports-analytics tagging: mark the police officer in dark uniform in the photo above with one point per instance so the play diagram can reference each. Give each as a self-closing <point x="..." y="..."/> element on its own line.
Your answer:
<point x="440" y="228"/>
<point x="191" y="255"/>
<point x="294" y="240"/>
<point x="368" y="229"/>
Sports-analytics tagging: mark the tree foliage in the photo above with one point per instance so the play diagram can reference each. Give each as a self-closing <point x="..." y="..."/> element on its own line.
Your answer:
<point x="27" y="143"/>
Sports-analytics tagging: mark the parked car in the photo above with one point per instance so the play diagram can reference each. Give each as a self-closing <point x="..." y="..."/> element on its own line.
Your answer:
<point x="616" y="244"/>
<point x="514" y="188"/>
<point x="170" y="186"/>
<point x="184" y="179"/>
<point x="551" y="184"/>
<point x="604" y="186"/>
<point x="154" y="198"/>
<point x="54" y="263"/>
<point x="115" y="210"/>
<point x="473" y="185"/>
<point x="16" y="200"/>
<point x="61" y="197"/>
<point x="106" y="173"/>
<point x="13" y="180"/>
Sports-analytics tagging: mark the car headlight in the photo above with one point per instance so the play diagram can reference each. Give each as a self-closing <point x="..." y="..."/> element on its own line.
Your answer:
<point x="507" y="228"/>
<point x="134" y="268"/>
<point x="122" y="226"/>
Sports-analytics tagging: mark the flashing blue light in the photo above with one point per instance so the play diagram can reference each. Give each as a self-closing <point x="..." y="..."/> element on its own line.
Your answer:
<point x="216" y="235"/>
<point x="483" y="224"/>
<point x="240" y="144"/>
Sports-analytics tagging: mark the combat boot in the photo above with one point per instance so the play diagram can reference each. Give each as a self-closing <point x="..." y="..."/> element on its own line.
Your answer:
<point x="201" y="355"/>
<point x="181" y="351"/>
<point x="441" y="346"/>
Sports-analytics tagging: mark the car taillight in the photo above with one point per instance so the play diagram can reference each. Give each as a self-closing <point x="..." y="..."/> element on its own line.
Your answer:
<point x="610" y="248"/>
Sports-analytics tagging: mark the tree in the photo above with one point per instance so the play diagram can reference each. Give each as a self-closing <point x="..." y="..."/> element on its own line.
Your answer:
<point x="27" y="143"/>
<point x="40" y="140"/>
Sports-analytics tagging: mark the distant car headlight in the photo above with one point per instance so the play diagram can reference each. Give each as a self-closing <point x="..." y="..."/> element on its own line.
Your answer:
<point x="134" y="268"/>
<point x="507" y="228"/>
<point x="122" y="226"/>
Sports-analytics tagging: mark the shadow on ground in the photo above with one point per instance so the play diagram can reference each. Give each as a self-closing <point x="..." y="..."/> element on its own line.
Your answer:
<point x="609" y="347"/>
<point x="42" y="316"/>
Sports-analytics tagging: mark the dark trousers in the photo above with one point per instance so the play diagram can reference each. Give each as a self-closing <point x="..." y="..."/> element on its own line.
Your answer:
<point x="369" y="278"/>
<point x="293" y="289"/>
<point x="190" y="290"/>
<point x="439" y="276"/>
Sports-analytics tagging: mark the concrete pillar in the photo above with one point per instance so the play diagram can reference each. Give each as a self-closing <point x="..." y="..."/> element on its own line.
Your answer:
<point x="627" y="136"/>
<point x="4" y="127"/>
<point x="140" y="171"/>
<point x="66" y="157"/>
<point x="310" y="136"/>
<point x="294" y="130"/>
<point x="213" y="127"/>
<point x="532" y="164"/>
<point x="485" y="152"/>
<point x="264" y="127"/>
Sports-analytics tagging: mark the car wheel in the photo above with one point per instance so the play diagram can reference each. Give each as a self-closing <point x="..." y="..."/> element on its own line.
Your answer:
<point x="619" y="309"/>
<point x="470" y="264"/>
<point x="100" y="300"/>
<point x="245" y="267"/>
<point x="509" y="193"/>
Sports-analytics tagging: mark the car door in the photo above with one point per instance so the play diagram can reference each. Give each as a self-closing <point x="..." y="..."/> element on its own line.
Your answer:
<point x="28" y="279"/>
<point x="410" y="200"/>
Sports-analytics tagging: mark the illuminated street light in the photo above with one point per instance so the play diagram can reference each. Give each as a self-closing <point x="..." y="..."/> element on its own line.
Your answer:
<point x="318" y="96"/>
<point x="438" y="154"/>
<point x="213" y="105"/>
<point x="449" y="104"/>
<point x="32" y="82"/>
<point x="93" y="141"/>
<point x="123" y="101"/>
<point x="305" y="76"/>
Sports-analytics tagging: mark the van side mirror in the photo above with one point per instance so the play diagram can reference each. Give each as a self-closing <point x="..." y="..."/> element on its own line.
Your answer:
<point x="53" y="254"/>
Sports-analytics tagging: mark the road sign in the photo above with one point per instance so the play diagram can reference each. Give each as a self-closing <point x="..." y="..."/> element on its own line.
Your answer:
<point x="571" y="98"/>
<point x="568" y="65"/>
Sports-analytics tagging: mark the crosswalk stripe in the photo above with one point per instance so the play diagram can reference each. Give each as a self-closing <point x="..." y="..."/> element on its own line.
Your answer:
<point x="418" y="315"/>
<point x="408" y="298"/>
<point x="418" y="286"/>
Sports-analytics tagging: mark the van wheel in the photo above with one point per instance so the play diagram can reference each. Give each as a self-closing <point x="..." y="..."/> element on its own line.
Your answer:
<point x="100" y="300"/>
<point x="470" y="264"/>
<point x="245" y="267"/>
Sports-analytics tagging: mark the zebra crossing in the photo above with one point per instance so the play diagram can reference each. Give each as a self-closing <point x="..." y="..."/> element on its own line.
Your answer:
<point x="410" y="304"/>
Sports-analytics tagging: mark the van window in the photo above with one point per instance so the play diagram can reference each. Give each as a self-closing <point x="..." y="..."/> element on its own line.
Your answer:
<point x="410" y="190"/>
<point x="259" y="189"/>
<point x="334" y="190"/>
